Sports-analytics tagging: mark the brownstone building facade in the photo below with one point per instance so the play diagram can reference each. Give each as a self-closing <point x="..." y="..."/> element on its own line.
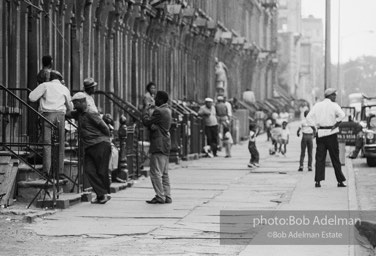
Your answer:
<point x="124" y="44"/>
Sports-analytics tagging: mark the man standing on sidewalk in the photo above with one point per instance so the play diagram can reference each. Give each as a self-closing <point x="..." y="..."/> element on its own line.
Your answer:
<point x="209" y="114"/>
<point x="159" y="123"/>
<point x="326" y="116"/>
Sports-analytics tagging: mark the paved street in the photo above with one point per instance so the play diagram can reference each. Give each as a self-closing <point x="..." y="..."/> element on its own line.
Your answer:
<point x="190" y="225"/>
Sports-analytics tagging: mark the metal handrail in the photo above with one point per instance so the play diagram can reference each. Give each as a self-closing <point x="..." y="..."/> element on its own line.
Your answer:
<point x="187" y="109"/>
<point x="71" y="123"/>
<point x="27" y="163"/>
<point x="109" y="97"/>
<point x="124" y="106"/>
<point x="8" y="146"/>
<point x="115" y="99"/>
<point x="20" y="89"/>
<point x="137" y="117"/>
<point x="27" y="105"/>
<point x="179" y="107"/>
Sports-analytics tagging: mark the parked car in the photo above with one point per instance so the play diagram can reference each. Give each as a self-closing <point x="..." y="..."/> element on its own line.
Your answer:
<point x="368" y="117"/>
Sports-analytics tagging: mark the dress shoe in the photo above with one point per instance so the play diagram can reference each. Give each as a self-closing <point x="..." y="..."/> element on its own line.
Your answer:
<point x="101" y="199"/>
<point x="341" y="185"/>
<point x="310" y="169"/>
<point x="317" y="184"/>
<point x="105" y="199"/>
<point x="300" y="169"/>
<point x="156" y="200"/>
<point x="168" y="200"/>
<point x="95" y="201"/>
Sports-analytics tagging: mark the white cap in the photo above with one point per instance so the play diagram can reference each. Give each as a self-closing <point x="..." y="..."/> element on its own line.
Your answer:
<point x="78" y="96"/>
<point x="330" y="91"/>
<point x="220" y="98"/>
<point x="208" y="100"/>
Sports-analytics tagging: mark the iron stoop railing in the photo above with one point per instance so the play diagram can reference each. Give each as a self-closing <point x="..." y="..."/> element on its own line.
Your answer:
<point x="109" y="102"/>
<point x="22" y="138"/>
<point x="135" y="134"/>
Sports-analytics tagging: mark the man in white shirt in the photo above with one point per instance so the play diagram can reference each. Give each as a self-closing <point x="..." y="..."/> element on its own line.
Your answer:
<point x="208" y="113"/>
<point x="326" y="116"/>
<point x="54" y="101"/>
<point x="89" y="89"/>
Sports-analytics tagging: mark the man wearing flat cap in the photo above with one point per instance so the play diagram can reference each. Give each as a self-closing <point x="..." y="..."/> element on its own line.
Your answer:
<point x="326" y="117"/>
<point x="95" y="137"/>
<point x="209" y="114"/>
<point x="89" y="89"/>
<point x="54" y="101"/>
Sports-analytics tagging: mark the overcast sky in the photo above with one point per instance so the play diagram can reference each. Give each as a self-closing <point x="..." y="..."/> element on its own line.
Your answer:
<point x="358" y="20"/>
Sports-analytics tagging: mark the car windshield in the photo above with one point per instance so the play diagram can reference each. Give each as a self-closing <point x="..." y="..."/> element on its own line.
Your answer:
<point x="371" y="111"/>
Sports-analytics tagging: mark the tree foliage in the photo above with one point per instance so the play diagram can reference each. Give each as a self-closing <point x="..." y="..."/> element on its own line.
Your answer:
<point x="359" y="75"/>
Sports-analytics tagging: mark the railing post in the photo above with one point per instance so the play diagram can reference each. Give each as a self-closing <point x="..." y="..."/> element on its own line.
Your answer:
<point x="175" y="137"/>
<point x="5" y="121"/>
<point x="122" y="166"/>
<point x="185" y="136"/>
<point x="130" y="149"/>
<point x="55" y="136"/>
<point x="202" y="141"/>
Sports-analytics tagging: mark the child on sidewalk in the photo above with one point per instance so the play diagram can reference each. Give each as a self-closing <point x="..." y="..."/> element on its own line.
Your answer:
<point x="285" y="136"/>
<point x="276" y="133"/>
<point x="255" y="156"/>
<point x="227" y="140"/>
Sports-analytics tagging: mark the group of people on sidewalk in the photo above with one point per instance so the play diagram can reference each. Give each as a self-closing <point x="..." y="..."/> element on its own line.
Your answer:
<point x="56" y="103"/>
<point x="217" y="119"/>
<point x="322" y="123"/>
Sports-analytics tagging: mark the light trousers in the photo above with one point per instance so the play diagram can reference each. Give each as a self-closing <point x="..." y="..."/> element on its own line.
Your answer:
<point x="159" y="175"/>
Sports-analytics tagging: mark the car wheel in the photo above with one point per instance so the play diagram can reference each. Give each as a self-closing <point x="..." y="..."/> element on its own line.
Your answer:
<point x="371" y="161"/>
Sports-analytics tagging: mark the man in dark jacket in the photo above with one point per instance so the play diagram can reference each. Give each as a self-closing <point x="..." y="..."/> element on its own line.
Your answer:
<point x="159" y="124"/>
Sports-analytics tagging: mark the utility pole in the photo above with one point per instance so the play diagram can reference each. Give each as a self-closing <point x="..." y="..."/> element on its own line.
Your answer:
<point x="339" y="82"/>
<point x="327" y="46"/>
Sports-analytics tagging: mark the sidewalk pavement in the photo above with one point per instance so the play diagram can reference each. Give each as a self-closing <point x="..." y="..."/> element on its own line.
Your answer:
<point x="200" y="190"/>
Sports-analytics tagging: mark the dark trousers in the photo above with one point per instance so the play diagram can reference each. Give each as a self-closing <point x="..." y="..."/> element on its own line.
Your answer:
<point x="328" y="143"/>
<point x="97" y="158"/>
<point x="211" y="133"/>
<point x="358" y="146"/>
<point x="255" y="156"/>
<point x="268" y="134"/>
<point x="306" y="143"/>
